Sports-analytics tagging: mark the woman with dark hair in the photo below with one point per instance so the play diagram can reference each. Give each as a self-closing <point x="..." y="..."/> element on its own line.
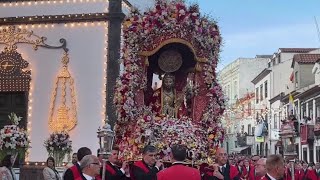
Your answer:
<point x="6" y="172"/>
<point x="50" y="172"/>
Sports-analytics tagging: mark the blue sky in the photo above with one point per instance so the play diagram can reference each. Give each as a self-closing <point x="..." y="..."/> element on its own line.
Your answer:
<point x="251" y="27"/>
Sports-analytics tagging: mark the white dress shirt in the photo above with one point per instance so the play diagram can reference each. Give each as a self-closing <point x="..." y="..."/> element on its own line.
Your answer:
<point x="87" y="176"/>
<point x="221" y="168"/>
<point x="272" y="178"/>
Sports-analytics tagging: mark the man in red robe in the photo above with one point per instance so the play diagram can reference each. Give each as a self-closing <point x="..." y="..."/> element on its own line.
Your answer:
<point x="222" y="170"/>
<point x="288" y="172"/>
<point x="315" y="173"/>
<point x="113" y="172"/>
<point x="248" y="171"/>
<point x="275" y="168"/>
<point x="307" y="174"/>
<point x="148" y="167"/>
<point x="179" y="170"/>
<point x="75" y="171"/>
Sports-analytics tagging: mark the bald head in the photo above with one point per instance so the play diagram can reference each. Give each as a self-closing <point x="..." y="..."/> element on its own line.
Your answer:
<point x="220" y="150"/>
<point x="221" y="156"/>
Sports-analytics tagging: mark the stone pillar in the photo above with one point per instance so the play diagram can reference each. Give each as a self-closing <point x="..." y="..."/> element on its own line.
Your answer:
<point x="116" y="17"/>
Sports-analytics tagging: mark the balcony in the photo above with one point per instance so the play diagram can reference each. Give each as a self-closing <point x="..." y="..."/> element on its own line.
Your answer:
<point x="307" y="134"/>
<point x="241" y="141"/>
<point x="245" y="140"/>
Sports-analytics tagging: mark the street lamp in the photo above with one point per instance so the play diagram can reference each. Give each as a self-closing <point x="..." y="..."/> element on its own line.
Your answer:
<point x="106" y="137"/>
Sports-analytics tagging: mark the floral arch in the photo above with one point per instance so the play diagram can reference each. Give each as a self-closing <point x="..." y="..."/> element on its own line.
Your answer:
<point x="169" y="24"/>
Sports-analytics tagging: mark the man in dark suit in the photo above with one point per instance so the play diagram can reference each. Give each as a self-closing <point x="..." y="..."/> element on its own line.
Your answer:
<point x="275" y="168"/>
<point x="179" y="170"/>
<point x="148" y="167"/>
<point x="222" y="170"/>
<point x="74" y="172"/>
<point x="113" y="172"/>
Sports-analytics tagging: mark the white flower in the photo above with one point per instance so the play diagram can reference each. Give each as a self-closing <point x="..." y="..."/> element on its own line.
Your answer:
<point x="182" y="12"/>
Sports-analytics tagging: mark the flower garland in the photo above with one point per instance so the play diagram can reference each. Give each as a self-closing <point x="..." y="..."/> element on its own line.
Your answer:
<point x="163" y="133"/>
<point x="146" y="32"/>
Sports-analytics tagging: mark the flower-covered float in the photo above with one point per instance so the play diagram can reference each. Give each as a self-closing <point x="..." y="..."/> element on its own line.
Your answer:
<point x="181" y="47"/>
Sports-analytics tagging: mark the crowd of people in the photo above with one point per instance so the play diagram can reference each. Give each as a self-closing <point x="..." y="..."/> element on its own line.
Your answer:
<point x="300" y="170"/>
<point x="226" y="167"/>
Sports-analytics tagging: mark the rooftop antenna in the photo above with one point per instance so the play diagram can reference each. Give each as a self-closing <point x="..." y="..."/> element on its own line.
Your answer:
<point x="317" y="26"/>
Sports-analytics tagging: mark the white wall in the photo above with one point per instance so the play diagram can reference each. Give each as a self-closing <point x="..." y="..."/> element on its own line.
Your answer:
<point x="249" y="69"/>
<point x="280" y="75"/>
<point x="86" y="65"/>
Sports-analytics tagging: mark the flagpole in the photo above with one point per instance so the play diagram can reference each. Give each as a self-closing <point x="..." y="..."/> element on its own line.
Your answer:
<point x="317" y="26"/>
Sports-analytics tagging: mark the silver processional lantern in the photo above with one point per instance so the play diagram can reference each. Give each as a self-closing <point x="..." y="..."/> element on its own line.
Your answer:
<point x="106" y="138"/>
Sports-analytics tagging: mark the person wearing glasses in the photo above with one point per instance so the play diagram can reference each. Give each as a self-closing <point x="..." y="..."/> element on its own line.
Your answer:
<point x="260" y="168"/>
<point x="90" y="167"/>
<point x="148" y="167"/>
<point x="74" y="171"/>
<point x="222" y="170"/>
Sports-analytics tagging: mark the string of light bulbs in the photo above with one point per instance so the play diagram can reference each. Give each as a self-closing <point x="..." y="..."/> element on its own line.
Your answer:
<point x="125" y="4"/>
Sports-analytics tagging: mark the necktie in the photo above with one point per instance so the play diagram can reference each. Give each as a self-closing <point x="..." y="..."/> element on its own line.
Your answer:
<point x="223" y="169"/>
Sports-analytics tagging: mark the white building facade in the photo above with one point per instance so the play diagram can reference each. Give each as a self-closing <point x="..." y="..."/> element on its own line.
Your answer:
<point x="235" y="80"/>
<point x="263" y="125"/>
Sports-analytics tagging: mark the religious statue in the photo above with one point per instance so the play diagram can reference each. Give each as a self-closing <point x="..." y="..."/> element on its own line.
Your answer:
<point x="165" y="100"/>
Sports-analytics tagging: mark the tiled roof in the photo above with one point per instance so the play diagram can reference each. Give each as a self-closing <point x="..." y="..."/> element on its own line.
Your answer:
<point x="305" y="58"/>
<point x="297" y="50"/>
